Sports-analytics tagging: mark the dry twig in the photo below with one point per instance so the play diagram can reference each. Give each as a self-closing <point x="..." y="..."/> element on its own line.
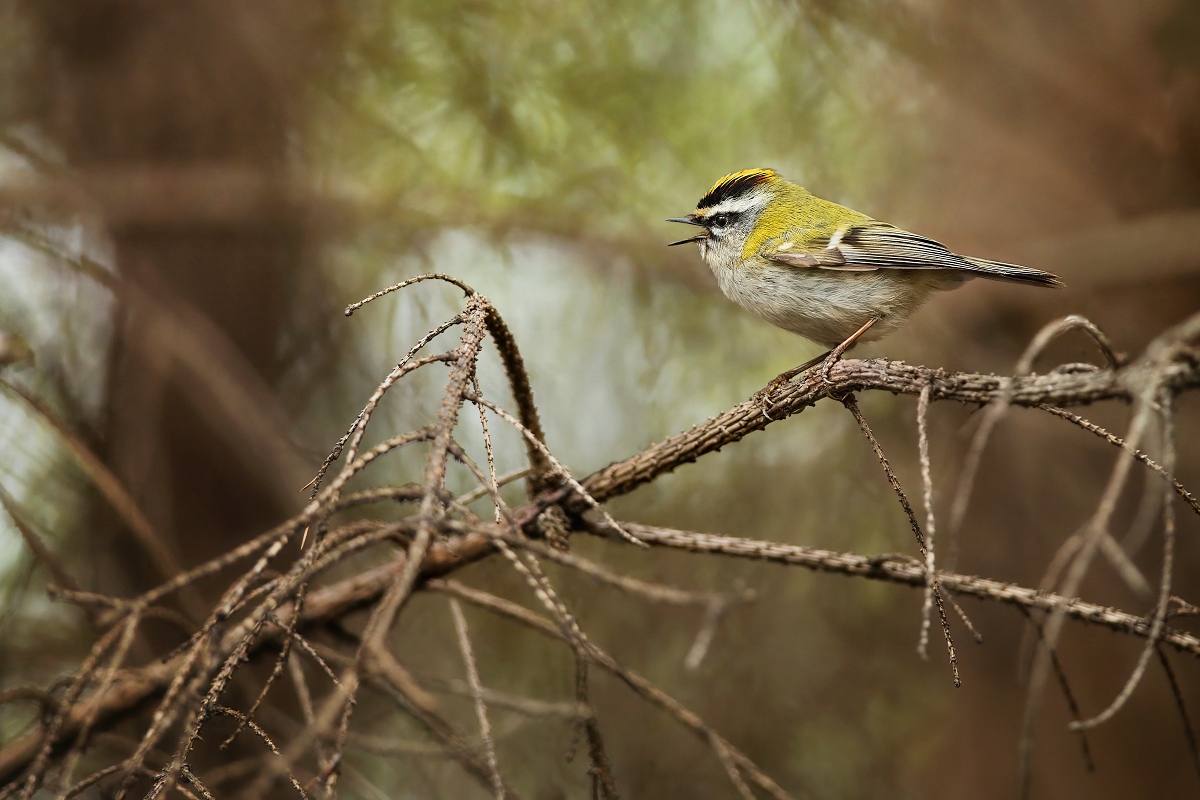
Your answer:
<point x="272" y="608"/>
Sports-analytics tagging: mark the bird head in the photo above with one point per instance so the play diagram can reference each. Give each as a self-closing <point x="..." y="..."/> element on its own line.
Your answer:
<point x="729" y="212"/>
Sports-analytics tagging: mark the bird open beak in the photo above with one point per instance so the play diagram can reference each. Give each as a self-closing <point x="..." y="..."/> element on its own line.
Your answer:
<point x="690" y="219"/>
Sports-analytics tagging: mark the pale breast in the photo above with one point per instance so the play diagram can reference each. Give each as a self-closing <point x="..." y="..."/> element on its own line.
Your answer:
<point x="828" y="306"/>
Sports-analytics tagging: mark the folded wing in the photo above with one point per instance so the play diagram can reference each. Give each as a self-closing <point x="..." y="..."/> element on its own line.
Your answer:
<point x="875" y="245"/>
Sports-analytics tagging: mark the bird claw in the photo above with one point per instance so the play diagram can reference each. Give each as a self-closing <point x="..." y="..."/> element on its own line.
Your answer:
<point x="826" y="367"/>
<point x="826" y="362"/>
<point x="763" y="398"/>
<point x="763" y="395"/>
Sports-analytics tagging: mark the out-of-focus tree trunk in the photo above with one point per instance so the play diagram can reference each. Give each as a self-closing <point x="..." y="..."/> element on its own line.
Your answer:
<point x="176" y="117"/>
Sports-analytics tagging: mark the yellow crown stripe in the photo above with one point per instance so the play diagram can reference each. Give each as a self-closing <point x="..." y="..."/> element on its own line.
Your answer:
<point x="749" y="174"/>
<point x="735" y="184"/>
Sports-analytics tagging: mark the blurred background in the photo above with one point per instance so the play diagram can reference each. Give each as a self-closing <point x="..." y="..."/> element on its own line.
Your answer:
<point x="245" y="170"/>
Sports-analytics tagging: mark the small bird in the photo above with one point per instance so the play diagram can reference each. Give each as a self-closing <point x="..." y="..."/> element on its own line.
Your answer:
<point x="822" y="270"/>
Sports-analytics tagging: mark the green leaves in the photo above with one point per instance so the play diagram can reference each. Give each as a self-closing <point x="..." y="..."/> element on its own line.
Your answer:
<point x="586" y="117"/>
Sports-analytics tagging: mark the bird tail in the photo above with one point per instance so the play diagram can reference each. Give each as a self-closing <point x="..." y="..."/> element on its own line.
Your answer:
<point x="1014" y="273"/>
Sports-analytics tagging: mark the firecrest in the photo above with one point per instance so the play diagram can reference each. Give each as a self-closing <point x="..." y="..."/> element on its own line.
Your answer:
<point x="822" y="270"/>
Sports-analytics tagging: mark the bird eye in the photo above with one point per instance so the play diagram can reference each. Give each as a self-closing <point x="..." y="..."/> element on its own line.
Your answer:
<point x="719" y="220"/>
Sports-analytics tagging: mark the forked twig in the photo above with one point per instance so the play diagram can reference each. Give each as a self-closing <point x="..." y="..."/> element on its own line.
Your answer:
<point x="897" y="568"/>
<point x="1154" y="386"/>
<point x="557" y="466"/>
<point x="268" y="611"/>
<point x="998" y="406"/>
<point x="1158" y="622"/>
<point x="849" y="402"/>
<point x="632" y="679"/>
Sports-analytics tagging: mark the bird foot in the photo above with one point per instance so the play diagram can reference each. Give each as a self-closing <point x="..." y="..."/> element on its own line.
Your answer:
<point x="827" y="365"/>
<point x="763" y="395"/>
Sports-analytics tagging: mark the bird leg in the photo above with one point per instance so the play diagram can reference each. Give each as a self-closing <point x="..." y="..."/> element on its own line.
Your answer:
<point x="779" y="380"/>
<point x="829" y="357"/>
<point x="763" y="395"/>
<point x="834" y="355"/>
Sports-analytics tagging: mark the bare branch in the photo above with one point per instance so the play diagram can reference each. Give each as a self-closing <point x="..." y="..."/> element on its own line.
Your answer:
<point x="901" y="570"/>
<point x="635" y="681"/>
<point x="268" y="611"/>
<point x="485" y="728"/>
<point x="894" y="482"/>
<point x="1061" y="389"/>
